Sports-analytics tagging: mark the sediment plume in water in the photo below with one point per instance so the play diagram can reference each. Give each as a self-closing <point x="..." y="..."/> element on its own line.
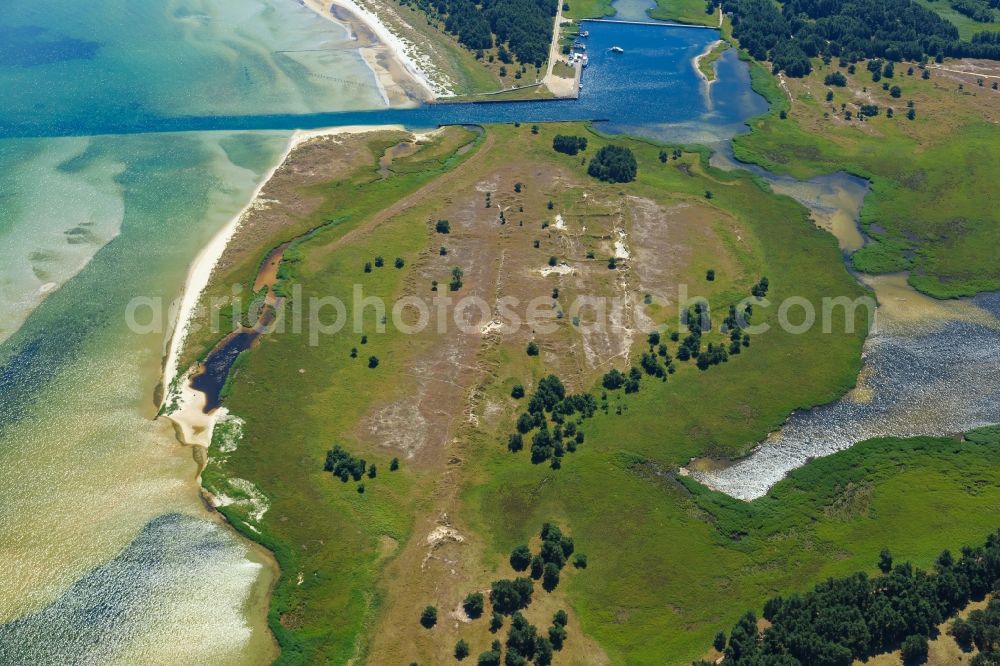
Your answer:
<point x="131" y="609"/>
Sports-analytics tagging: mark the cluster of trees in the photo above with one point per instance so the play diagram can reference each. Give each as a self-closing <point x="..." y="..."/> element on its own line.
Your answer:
<point x="835" y="79"/>
<point x="522" y="28"/>
<point x="790" y="33"/>
<point x="380" y="262"/>
<point x="550" y="402"/>
<point x="570" y="145"/>
<point x="552" y="557"/>
<point x="615" y="379"/>
<point x="346" y="466"/>
<point x="614" y="164"/>
<point x="524" y="644"/>
<point x="509" y="597"/>
<point x="855" y="617"/>
<point x="657" y="362"/>
<point x="980" y="11"/>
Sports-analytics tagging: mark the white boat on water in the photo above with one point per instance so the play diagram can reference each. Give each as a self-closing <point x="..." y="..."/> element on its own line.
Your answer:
<point x="585" y="34"/>
<point x="617" y="49"/>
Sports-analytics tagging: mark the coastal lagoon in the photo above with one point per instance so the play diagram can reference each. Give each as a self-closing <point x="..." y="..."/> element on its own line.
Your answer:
<point x="133" y="134"/>
<point x="651" y="88"/>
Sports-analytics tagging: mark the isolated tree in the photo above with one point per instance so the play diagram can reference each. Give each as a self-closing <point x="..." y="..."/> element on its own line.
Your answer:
<point x="372" y="472"/>
<point x="613" y="379"/>
<point x="557" y="636"/>
<point x="537" y="566"/>
<point x="443" y="227"/>
<point x="379" y="262"/>
<point x="522" y="638"/>
<point x="520" y="558"/>
<point x="394" y="464"/>
<point x="368" y="267"/>
<point x="491" y="658"/>
<point x="461" y="649"/>
<point x="456" y="279"/>
<point x="372" y="361"/>
<point x="720" y="641"/>
<point x="509" y="596"/>
<point x="517" y="392"/>
<point x="885" y="561"/>
<point x="835" y="79"/>
<point x="580" y="561"/>
<point x="429" y="617"/>
<point x="543" y="652"/>
<point x="399" y="263"/>
<point x="496" y="622"/>
<point x="515" y="442"/>
<point x="569" y="145"/>
<point x="914" y="649"/>
<point x="532" y="349"/>
<point x="473" y="604"/>
<point x="550" y="576"/>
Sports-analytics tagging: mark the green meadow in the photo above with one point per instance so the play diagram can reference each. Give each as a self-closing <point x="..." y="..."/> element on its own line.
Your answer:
<point x="928" y="209"/>
<point x="670" y="563"/>
<point x="684" y="11"/>
<point x="966" y="26"/>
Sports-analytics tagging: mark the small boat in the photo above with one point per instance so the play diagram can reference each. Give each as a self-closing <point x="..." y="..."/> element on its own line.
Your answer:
<point x="617" y="49"/>
<point x="585" y="34"/>
<point x="585" y="60"/>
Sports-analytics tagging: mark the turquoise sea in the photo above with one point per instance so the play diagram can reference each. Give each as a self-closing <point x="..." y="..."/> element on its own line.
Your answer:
<point x="130" y="132"/>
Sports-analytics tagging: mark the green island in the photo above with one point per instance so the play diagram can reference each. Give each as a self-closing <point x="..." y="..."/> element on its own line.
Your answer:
<point x="400" y="477"/>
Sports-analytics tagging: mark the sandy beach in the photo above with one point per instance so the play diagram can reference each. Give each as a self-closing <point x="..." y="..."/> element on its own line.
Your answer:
<point x="395" y="63"/>
<point x="181" y="404"/>
<point x="696" y="61"/>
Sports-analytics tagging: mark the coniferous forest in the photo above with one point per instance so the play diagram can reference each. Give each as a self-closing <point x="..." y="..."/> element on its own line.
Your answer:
<point x="520" y="29"/>
<point x="788" y="35"/>
<point x="856" y="617"/>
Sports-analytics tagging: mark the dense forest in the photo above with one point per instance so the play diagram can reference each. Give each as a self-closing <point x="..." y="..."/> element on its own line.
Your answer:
<point x="519" y="27"/>
<point x="790" y="34"/>
<point x="855" y="617"/>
